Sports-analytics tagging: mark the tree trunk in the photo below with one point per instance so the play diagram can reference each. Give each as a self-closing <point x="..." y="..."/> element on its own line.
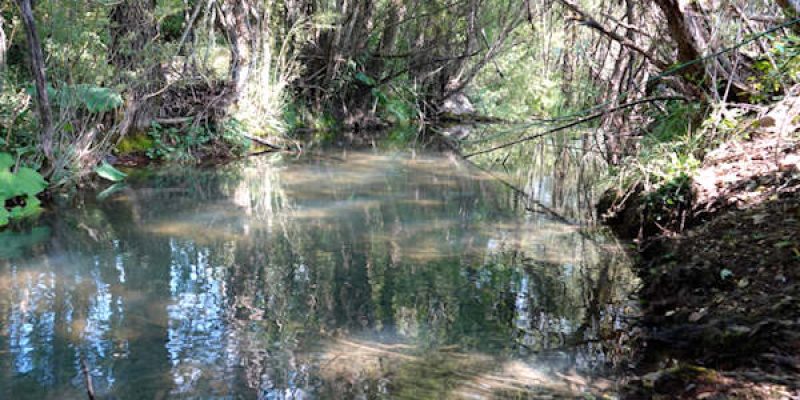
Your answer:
<point x="242" y="29"/>
<point x="39" y="76"/>
<point x="395" y="12"/>
<point x="133" y="29"/>
<point x="680" y="31"/>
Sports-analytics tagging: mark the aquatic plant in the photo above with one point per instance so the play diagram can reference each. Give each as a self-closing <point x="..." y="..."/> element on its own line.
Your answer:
<point x="18" y="190"/>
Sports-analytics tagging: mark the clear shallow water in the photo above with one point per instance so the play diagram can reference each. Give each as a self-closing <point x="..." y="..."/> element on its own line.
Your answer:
<point x="353" y="275"/>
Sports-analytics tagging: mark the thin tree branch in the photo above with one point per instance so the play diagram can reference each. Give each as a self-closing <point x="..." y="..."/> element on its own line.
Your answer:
<point x="576" y="123"/>
<point x="587" y="20"/>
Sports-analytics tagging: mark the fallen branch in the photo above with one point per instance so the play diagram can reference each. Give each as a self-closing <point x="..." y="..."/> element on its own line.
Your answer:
<point x="260" y="141"/>
<point x="173" y="121"/>
<point x="576" y="123"/>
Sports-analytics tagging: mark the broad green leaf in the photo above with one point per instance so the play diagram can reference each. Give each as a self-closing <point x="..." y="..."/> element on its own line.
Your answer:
<point x="7" y="185"/>
<point x="19" y="212"/>
<point x="29" y="182"/>
<point x="95" y="99"/>
<point x="3" y="216"/>
<point x="32" y="207"/>
<point x="98" y="99"/>
<point x="6" y="161"/>
<point x="108" y="172"/>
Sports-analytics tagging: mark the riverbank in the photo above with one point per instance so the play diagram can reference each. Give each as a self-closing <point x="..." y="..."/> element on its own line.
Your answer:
<point x="721" y="300"/>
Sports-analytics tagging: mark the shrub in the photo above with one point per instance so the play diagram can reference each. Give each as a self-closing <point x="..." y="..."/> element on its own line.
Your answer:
<point x="185" y="144"/>
<point x="18" y="190"/>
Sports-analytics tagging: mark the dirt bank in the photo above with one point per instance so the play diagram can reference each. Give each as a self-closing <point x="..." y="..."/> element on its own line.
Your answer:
<point x="721" y="301"/>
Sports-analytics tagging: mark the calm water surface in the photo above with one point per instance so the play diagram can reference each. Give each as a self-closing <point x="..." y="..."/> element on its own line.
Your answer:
<point x="350" y="275"/>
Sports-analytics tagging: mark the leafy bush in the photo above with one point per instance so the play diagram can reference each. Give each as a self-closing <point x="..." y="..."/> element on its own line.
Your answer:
<point x="782" y="68"/>
<point x="395" y="104"/>
<point x="231" y="132"/>
<point x="669" y="149"/>
<point x="94" y="99"/>
<point x="185" y="145"/>
<point x="18" y="127"/>
<point x="18" y="190"/>
<point x="673" y="124"/>
<point x="173" y="144"/>
<point x="670" y="200"/>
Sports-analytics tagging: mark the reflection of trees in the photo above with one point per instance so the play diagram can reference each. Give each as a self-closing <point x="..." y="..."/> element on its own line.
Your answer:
<point x="557" y="170"/>
<point x="248" y="280"/>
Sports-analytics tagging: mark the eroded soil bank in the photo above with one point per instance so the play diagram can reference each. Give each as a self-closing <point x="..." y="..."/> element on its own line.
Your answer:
<point x="721" y="301"/>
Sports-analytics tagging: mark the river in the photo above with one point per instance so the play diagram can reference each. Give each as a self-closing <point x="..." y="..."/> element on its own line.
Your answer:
<point x="370" y="274"/>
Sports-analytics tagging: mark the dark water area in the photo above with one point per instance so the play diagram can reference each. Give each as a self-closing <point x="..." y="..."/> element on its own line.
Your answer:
<point x="344" y="275"/>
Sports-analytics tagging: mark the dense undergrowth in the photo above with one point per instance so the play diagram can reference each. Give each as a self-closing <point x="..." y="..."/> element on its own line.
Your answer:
<point x="653" y="188"/>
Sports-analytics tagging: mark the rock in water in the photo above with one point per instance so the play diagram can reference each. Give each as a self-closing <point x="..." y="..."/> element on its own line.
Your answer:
<point x="457" y="105"/>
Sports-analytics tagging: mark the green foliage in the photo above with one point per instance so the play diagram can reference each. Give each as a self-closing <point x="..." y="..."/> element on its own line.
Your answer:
<point x="325" y="122"/>
<point x="173" y="144"/>
<point x="108" y="172"/>
<point x="670" y="148"/>
<point x="674" y="123"/>
<point x="403" y="134"/>
<point x="395" y="104"/>
<point x="722" y="123"/>
<point x="672" y="197"/>
<point x="138" y="143"/>
<point x="781" y="67"/>
<point x="95" y="99"/>
<point x="520" y="84"/>
<point x="293" y="116"/>
<point x="185" y="145"/>
<point x="18" y="190"/>
<point x="668" y="157"/>
<point x="19" y="131"/>
<point x="365" y="79"/>
<point x="91" y="98"/>
<point x="231" y="132"/>
<point x="75" y="40"/>
<point x="172" y="26"/>
<point x="298" y="116"/>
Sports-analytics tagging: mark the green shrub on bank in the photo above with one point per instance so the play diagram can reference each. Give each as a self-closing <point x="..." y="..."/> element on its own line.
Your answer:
<point x="18" y="190"/>
<point x="186" y="144"/>
<point x="779" y="68"/>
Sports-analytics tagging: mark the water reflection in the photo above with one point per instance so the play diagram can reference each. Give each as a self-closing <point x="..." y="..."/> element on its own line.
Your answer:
<point x="351" y="275"/>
